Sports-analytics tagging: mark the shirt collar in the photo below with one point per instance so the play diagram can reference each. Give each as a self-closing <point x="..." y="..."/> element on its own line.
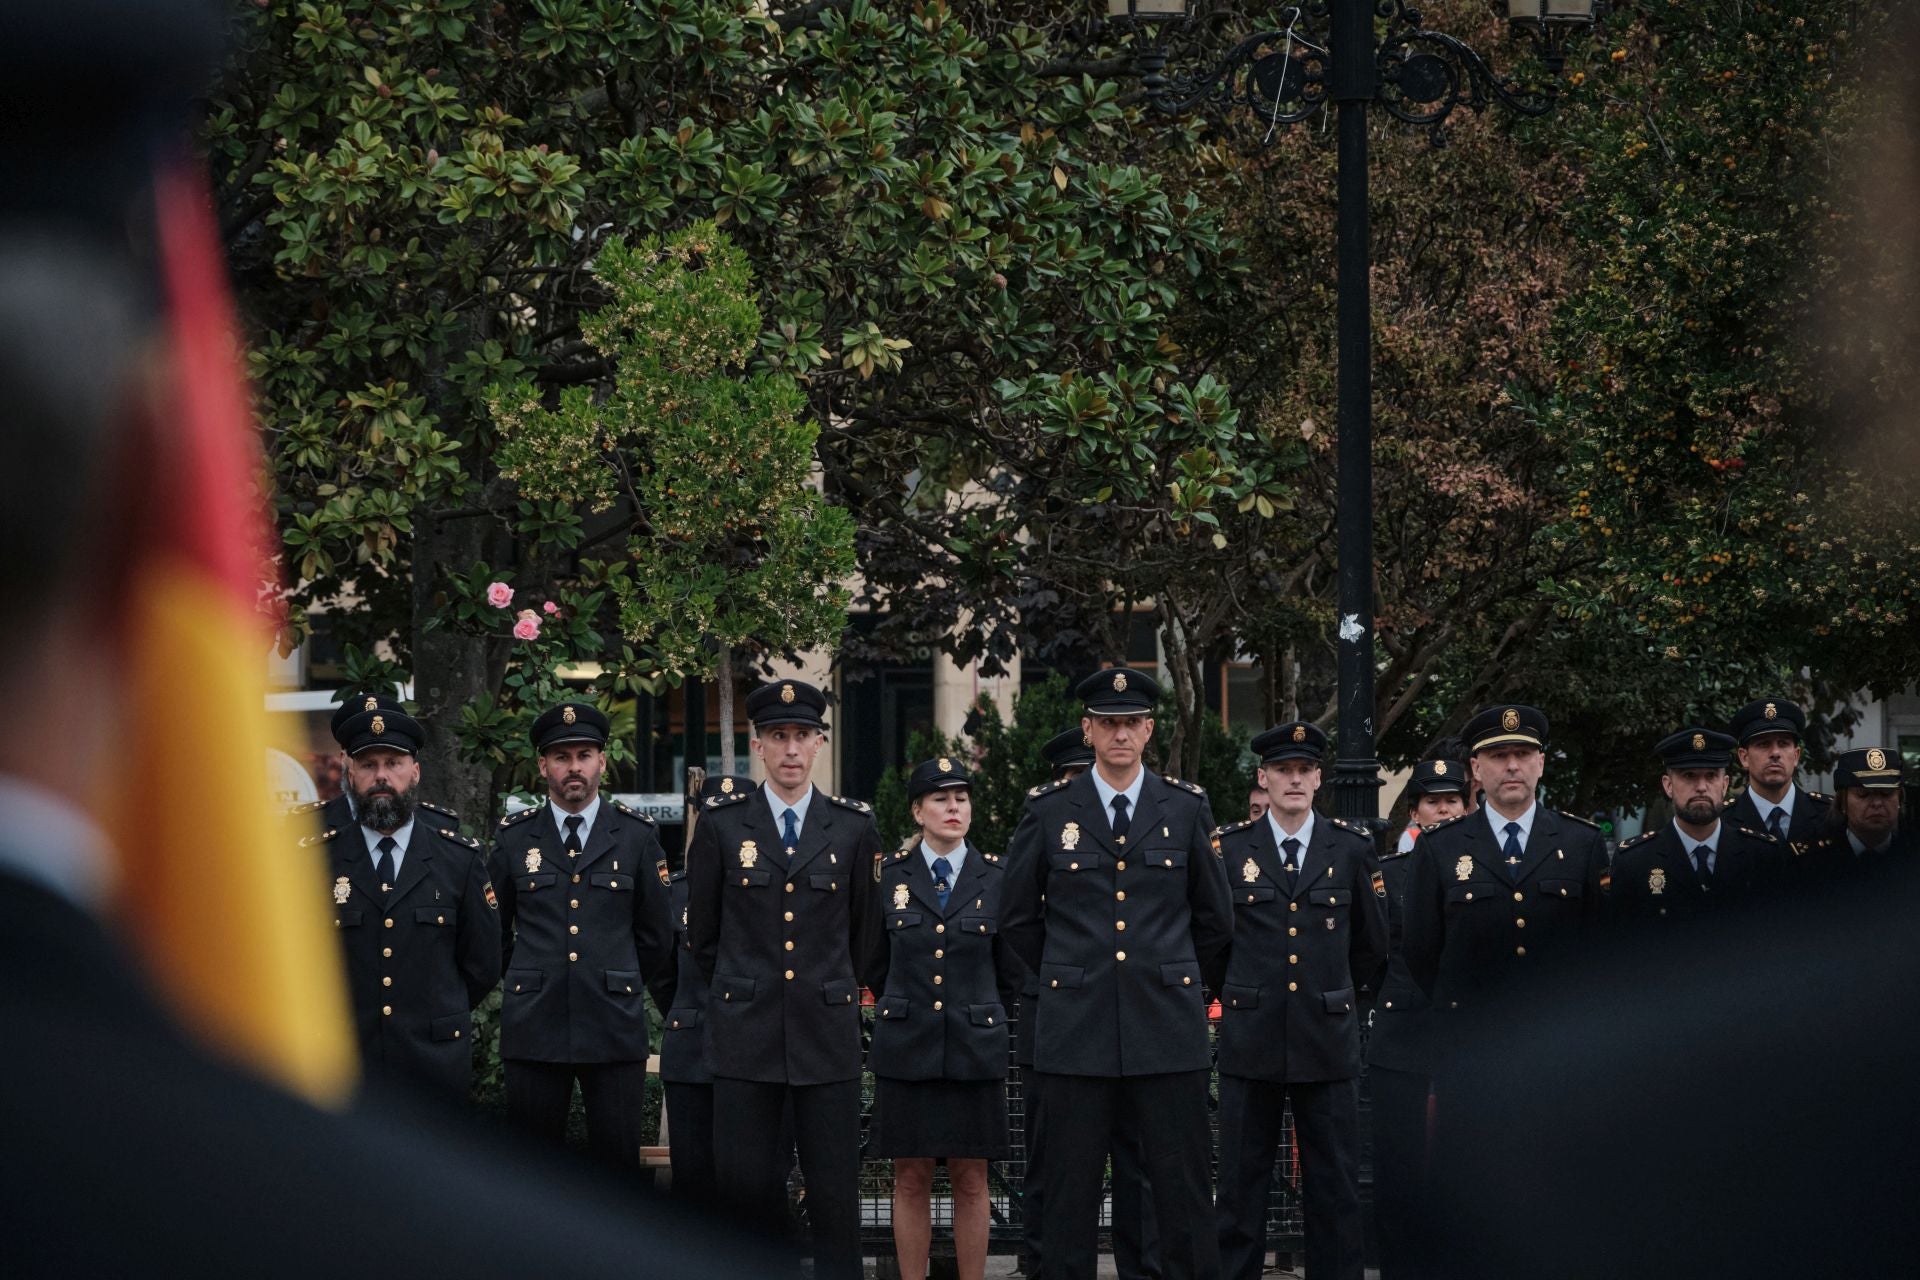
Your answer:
<point x="1304" y="835"/>
<point x="1107" y="793"/>
<point x="1498" y="821"/>
<point x="954" y="859"/>
<point x="1860" y="846"/>
<point x="46" y="839"/>
<point x="400" y="837"/>
<point x="1765" y="807"/>
<point x="586" y="815"/>
<point x="780" y="806"/>
<point x="1688" y="844"/>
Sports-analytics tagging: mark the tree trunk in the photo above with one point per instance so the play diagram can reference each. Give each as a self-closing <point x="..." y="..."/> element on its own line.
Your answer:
<point x="723" y="677"/>
<point x="1184" y="749"/>
<point x="450" y="671"/>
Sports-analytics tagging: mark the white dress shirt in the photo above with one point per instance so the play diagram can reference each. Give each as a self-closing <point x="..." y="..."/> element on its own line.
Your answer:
<point x="956" y="860"/>
<point x="780" y="808"/>
<point x="586" y="816"/>
<point x="400" y="839"/>
<point x="45" y="839"/>
<point x="1132" y="791"/>
<point x="1304" y="835"/>
<point x="1498" y="821"/>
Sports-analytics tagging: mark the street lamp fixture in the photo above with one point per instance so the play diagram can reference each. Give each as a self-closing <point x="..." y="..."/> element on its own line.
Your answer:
<point x="1352" y="54"/>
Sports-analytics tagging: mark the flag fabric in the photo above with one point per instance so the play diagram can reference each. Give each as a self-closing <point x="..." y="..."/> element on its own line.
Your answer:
<point x="228" y="915"/>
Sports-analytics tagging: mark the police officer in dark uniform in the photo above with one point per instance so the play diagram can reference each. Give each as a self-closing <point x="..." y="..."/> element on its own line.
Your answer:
<point x="1510" y="882"/>
<point x="1769" y="733"/>
<point x="685" y="1076"/>
<point x="584" y="930"/>
<point x="944" y="979"/>
<point x="338" y="812"/>
<point x="1703" y="856"/>
<point x="1310" y="932"/>
<point x="415" y="913"/>
<point x="1399" y="1059"/>
<point x="1865" y="833"/>
<point x="1116" y="897"/>
<point x="783" y="913"/>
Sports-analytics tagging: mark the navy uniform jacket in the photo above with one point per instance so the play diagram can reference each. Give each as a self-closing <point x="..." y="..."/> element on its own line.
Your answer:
<point x="419" y="957"/>
<point x="1653" y="878"/>
<point x="1809" y="821"/>
<point x="944" y="979"/>
<point x="1396" y="1036"/>
<point x="1125" y="938"/>
<point x="1288" y="1007"/>
<point x="581" y="937"/>
<point x="781" y="942"/>
<point x="683" y="1050"/>
<point x="1470" y="925"/>
<point x="1831" y="857"/>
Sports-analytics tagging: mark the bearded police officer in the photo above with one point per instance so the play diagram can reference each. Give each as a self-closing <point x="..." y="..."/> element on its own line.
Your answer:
<point x="584" y="930"/>
<point x="1703" y="856"/>
<point x="415" y="914"/>
<point x="338" y="812"/>
<point x="1399" y="1061"/>
<point x="783" y="913"/>
<point x="1506" y="884"/>
<point x="1116" y="897"/>
<point x="1769" y="733"/>
<point x="1310" y="931"/>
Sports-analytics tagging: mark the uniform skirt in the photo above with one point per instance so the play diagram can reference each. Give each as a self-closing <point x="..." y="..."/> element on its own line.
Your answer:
<point x="934" y="1119"/>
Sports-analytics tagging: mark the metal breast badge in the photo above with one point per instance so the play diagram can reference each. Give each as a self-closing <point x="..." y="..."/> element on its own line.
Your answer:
<point x="1657" y="881"/>
<point x="1070" y="836"/>
<point x="533" y="861"/>
<point x="1464" y="867"/>
<point x="899" y="897"/>
<point x="342" y="888"/>
<point x="749" y="853"/>
<point x="1250" y="872"/>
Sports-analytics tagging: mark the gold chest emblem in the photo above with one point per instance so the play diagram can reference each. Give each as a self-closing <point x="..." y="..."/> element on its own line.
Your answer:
<point x="1070" y="836"/>
<point x="749" y="853"/>
<point x="900" y="897"/>
<point x="1250" y="872"/>
<point x="1463" y="868"/>
<point x="533" y="861"/>
<point x="342" y="889"/>
<point x="1657" y="881"/>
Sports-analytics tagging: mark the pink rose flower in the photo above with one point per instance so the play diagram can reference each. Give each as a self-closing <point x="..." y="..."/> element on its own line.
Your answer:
<point x="527" y="628"/>
<point x="550" y="607"/>
<point x="499" y="594"/>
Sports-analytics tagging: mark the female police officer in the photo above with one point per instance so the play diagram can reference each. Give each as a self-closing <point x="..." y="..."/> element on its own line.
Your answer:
<point x="939" y="1055"/>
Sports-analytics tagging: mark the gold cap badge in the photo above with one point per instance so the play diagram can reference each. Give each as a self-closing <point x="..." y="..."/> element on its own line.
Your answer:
<point x="1119" y="682"/>
<point x="1773" y="712"/>
<point x="900" y="897"/>
<point x="533" y="861"/>
<point x="566" y="714"/>
<point x="1510" y="720"/>
<point x="373" y="704"/>
<point x="1699" y="742"/>
<point x="1876" y="759"/>
<point x="726" y="786"/>
<point x="786" y="693"/>
<point x="379" y="724"/>
<point x="1439" y="768"/>
<point x="946" y="765"/>
<point x="749" y="853"/>
<point x="1299" y="733"/>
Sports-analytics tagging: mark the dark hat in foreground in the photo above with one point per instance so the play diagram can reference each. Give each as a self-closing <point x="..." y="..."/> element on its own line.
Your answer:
<point x="570" y="722"/>
<point x="1438" y="778"/>
<point x="1295" y="740"/>
<point x="1119" y="691"/>
<point x="787" y="702"/>
<point x="943" y="773"/>
<point x="1870" y="769"/>
<point x="725" y="784"/>
<point x="394" y="730"/>
<point x="1506" y="724"/>
<point x="1067" y="748"/>
<point x="352" y="704"/>
<point x="1768" y="715"/>
<point x="1696" y="749"/>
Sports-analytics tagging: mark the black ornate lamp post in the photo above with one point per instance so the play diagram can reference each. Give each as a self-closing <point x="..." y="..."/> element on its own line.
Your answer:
<point x="1353" y="54"/>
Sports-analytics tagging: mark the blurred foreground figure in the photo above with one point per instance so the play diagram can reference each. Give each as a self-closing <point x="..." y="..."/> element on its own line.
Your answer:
<point x="132" y="1147"/>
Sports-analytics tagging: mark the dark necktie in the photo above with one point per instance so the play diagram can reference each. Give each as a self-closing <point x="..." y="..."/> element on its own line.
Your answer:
<point x="572" y="841"/>
<point x="1703" y="863"/>
<point x="1120" y="818"/>
<point x="942" y="880"/>
<point x="1776" y="824"/>
<point x="1292" y="846"/>
<point x="383" y="863"/>
<point x="790" y="832"/>
<point x="1512" y="849"/>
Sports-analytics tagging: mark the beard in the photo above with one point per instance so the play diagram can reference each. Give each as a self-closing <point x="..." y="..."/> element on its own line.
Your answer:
<point x="382" y="808"/>
<point x="1699" y="811"/>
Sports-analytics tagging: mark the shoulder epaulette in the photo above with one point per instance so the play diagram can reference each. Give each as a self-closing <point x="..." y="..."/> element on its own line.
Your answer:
<point x="1227" y="827"/>
<point x="858" y="806"/>
<point x="991" y="857"/>
<point x="681" y="874"/>
<point x="714" y="802"/>
<point x="632" y="812"/>
<point x="1396" y="852"/>
<point x="1046" y="787"/>
<point x="440" y="809"/>
<point x="1352" y="829"/>
<point x="1821" y="796"/>
<point x="899" y="854"/>
<point x="309" y="807"/>
<point x="511" y="818"/>
<point x="1585" y="822"/>
<point x="457" y="838"/>
<point x="1642" y="838"/>
<point x="1768" y="836"/>
<point x="1194" y="787"/>
<point x="307" y="842"/>
<point x="1733" y="798"/>
<point x="1442" y="826"/>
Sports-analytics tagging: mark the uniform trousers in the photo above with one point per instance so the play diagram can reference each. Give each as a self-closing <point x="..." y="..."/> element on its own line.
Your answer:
<point x="690" y="1140"/>
<point x="1399" y="1166"/>
<point x="751" y="1162"/>
<point x="1326" y="1126"/>
<point x="1136" y="1237"/>
<point x="539" y="1095"/>
<point x="1086" y="1119"/>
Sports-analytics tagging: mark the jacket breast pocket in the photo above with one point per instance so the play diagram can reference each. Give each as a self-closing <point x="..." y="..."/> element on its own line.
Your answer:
<point x="1560" y="888"/>
<point x="537" y="881"/>
<point x="606" y="880"/>
<point x="1258" y="893"/>
<point x="1335" y="898"/>
<point x="1461" y="894"/>
<point x="978" y="925"/>
<point x="347" y="918"/>
<point x="750" y="877"/>
<point x="439" y="916"/>
<point x="1165" y="859"/>
<point x="1074" y="861"/>
<point x="903" y="920"/>
<point x="825" y="881"/>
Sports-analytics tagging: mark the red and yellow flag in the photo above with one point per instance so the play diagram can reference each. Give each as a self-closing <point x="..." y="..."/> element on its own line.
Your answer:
<point x="230" y="921"/>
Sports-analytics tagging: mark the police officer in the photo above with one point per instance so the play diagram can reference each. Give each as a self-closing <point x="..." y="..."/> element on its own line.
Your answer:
<point x="338" y="812"/>
<point x="1399" y="1059"/>
<point x="1115" y="896"/>
<point x="415" y="913"/>
<point x="1865" y="832"/>
<point x="1309" y="932"/>
<point x="783" y="912"/>
<point x="1511" y="881"/>
<point x="1702" y="856"/>
<point x="584" y="930"/>
<point x="944" y="978"/>
<point x="1769" y="733"/>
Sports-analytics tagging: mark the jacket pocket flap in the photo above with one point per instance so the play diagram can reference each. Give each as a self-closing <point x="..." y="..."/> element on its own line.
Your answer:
<point x="435" y="915"/>
<point x="895" y="1006"/>
<point x="837" y="991"/>
<point x="1560" y="888"/>
<point x="539" y="880"/>
<point x="1340" y="1001"/>
<point x="623" y="981"/>
<point x="1472" y="893"/>
<point x="1257" y="892"/>
<point x="986" y="1015"/>
<point x="1076" y="861"/>
<point x="902" y="919"/>
<point x="683" y="1016"/>
<point x="749" y="876"/>
<point x="519" y="980"/>
<point x="1165" y="859"/>
<point x="607" y="880"/>
<point x="1238" y="997"/>
<point x="727" y="988"/>
<point x="1180" y="973"/>
<point x="1330" y="897"/>
<point x="827" y="880"/>
<point x="456" y="1026"/>
<point x="346" y="917"/>
<point x="1061" y="977"/>
<point x="979" y="924"/>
